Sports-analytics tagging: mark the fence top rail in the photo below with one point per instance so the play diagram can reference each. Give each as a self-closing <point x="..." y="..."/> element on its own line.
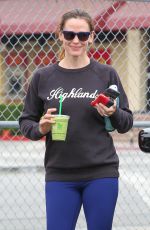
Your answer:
<point x="15" y="124"/>
<point x="9" y="124"/>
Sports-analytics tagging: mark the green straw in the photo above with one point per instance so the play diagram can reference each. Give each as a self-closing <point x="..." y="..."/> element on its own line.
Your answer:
<point x="60" y="104"/>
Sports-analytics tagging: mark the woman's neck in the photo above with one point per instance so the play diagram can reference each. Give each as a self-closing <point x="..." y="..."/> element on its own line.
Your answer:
<point x="74" y="62"/>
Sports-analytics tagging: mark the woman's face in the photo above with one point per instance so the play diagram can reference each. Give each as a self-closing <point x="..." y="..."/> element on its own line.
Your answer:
<point x="74" y="46"/>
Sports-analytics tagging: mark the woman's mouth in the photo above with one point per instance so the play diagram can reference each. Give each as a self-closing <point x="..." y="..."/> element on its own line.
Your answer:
<point x="75" y="47"/>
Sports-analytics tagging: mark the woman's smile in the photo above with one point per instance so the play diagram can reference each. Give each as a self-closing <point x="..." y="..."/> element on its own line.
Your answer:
<point x="75" y="47"/>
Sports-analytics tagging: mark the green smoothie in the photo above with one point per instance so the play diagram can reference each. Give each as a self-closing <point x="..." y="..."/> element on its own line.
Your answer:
<point x="59" y="128"/>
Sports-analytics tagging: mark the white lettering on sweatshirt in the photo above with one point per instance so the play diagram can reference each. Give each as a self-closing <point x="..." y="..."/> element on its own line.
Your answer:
<point x="74" y="93"/>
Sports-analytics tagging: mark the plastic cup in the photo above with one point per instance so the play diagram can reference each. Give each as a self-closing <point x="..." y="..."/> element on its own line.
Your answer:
<point x="59" y="128"/>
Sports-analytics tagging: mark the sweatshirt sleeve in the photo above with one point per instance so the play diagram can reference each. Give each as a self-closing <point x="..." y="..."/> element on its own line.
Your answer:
<point x="32" y="111"/>
<point x="122" y="119"/>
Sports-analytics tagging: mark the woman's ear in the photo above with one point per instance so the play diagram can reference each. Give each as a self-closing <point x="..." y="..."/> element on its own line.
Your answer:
<point x="60" y="35"/>
<point x="91" y="38"/>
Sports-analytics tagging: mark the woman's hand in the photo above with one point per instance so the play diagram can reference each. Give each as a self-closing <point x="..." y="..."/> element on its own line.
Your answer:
<point x="104" y="110"/>
<point x="46" y="121"/>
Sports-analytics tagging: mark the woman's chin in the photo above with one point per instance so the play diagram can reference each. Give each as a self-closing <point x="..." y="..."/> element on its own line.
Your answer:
<point x="76" y="54"/>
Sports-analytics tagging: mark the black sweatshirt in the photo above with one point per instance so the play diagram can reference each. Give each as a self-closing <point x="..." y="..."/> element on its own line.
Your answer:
<point x="88" y="151"/>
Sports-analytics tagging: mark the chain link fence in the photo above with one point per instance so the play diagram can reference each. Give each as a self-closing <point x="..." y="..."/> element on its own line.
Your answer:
<point x="27" y="42"/>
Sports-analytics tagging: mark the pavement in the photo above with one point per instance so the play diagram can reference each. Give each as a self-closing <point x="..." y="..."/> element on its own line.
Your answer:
<point x="22" y="198"/>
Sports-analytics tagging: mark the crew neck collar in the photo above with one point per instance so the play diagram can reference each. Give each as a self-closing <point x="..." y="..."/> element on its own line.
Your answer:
<point x="74" y="70"/>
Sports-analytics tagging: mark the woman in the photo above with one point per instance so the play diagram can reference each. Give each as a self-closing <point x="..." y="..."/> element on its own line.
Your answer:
<point x="83" y="170"/>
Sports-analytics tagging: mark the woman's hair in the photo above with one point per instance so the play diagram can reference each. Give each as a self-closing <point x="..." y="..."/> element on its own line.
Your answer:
<point x="76" y="13"/>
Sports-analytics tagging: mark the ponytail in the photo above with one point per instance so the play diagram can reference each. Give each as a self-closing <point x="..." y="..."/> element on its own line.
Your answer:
<point x="62" y="54"/>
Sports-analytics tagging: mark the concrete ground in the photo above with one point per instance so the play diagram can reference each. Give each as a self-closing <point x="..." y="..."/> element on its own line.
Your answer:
<point x="22" y="188"/>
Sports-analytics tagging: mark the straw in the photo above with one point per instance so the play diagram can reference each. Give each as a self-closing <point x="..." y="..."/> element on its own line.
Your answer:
<point x="60" y="104"/>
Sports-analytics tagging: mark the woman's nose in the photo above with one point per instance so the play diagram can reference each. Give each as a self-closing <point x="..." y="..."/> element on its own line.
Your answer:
<point x="76" y="39"/>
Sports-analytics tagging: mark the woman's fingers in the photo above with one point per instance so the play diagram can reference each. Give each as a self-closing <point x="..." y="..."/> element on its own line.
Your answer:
<point x="51" y="110"/>
<point x="48" y="115"/>
<point x="104" y="110"/>
<point x="46" y="121"/>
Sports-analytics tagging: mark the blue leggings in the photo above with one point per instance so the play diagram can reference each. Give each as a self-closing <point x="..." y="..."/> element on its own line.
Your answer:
<point x="64" y="200"/>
